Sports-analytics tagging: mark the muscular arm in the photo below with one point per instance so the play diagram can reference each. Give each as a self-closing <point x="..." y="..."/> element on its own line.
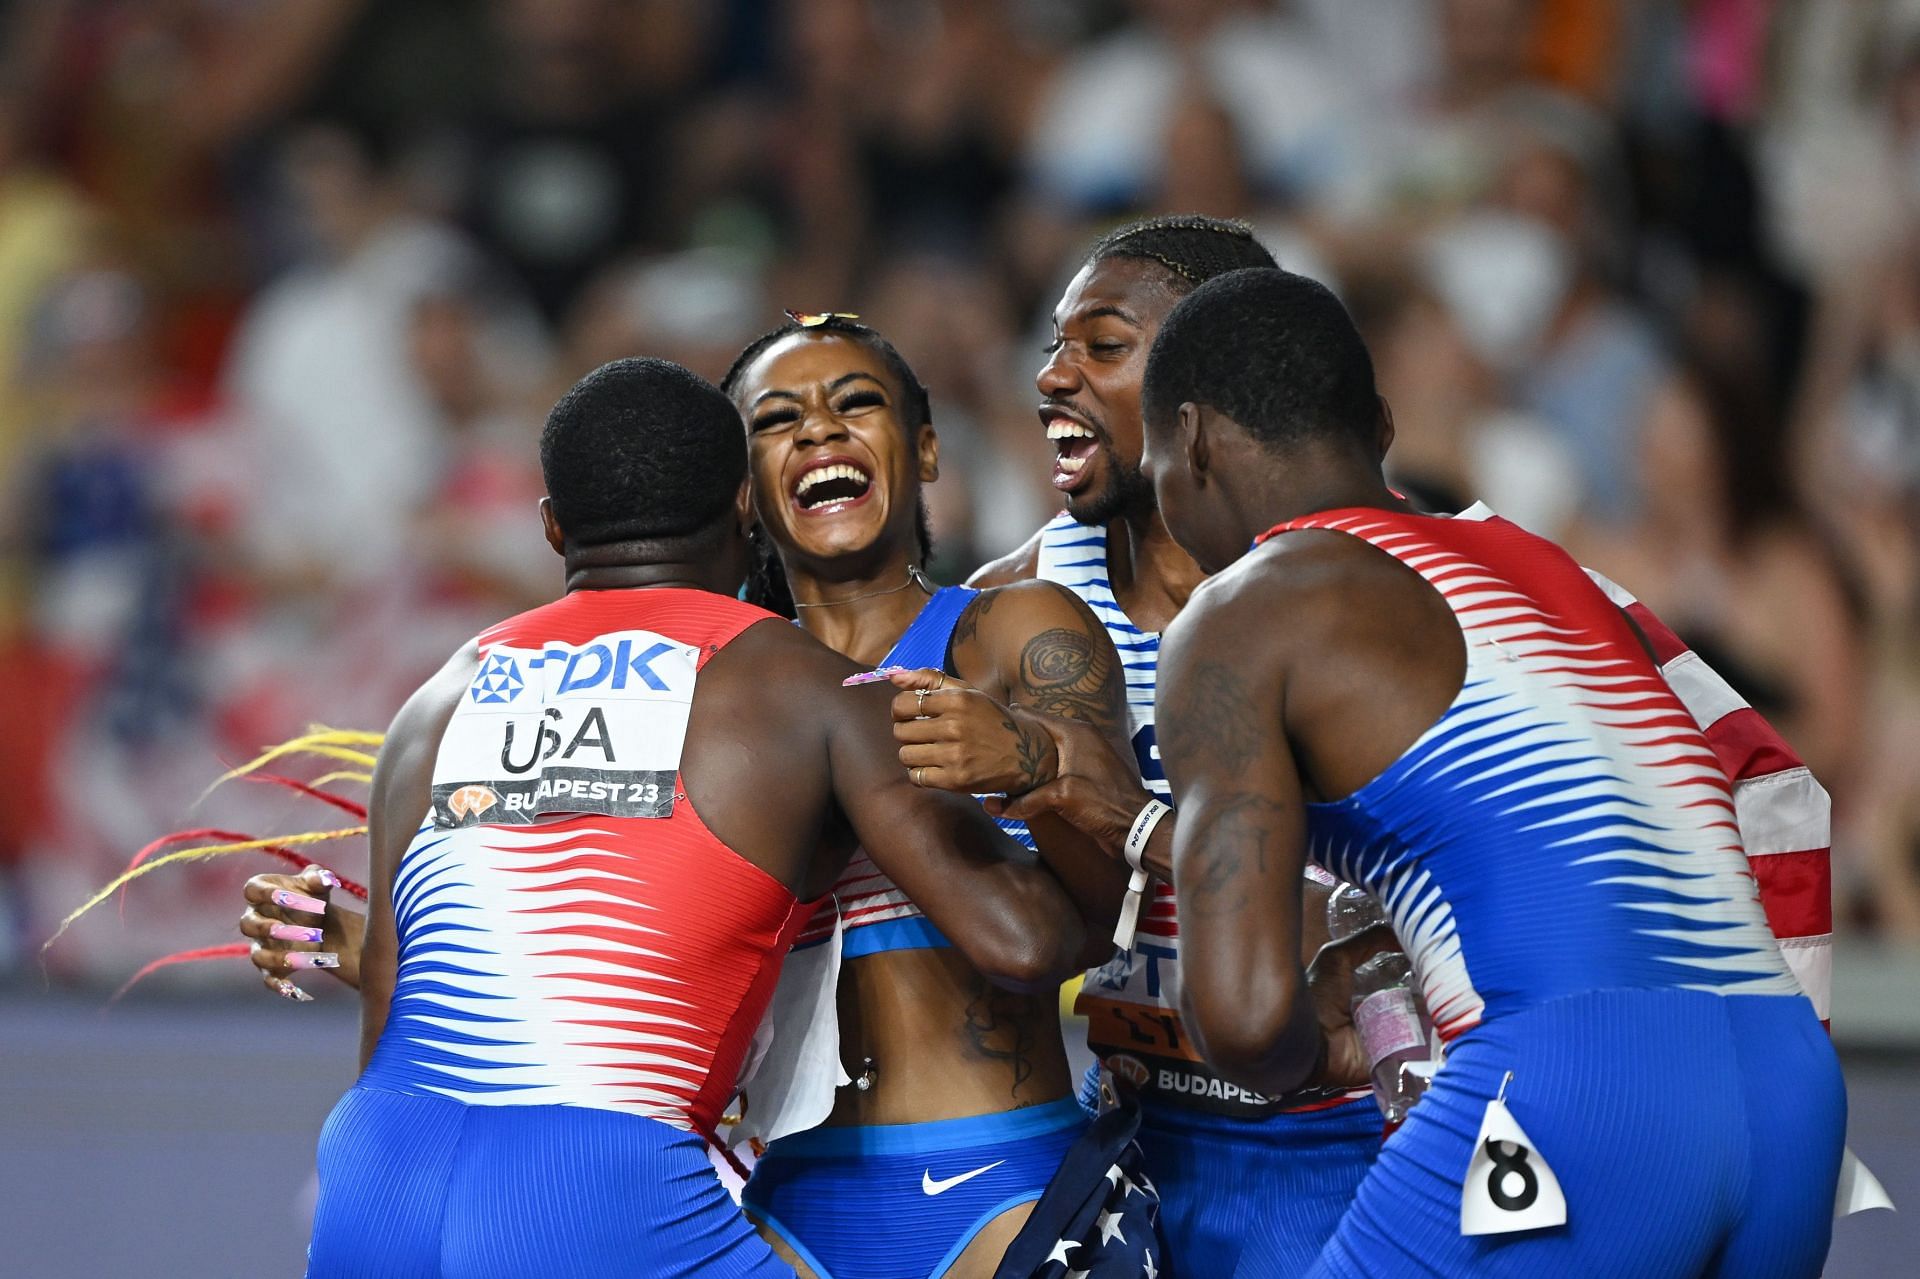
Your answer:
<point x="1239" y="849"/>
<point x="1007" y="913"/>
<point x="402" y="793"/>
<point x="1038" y="646"/>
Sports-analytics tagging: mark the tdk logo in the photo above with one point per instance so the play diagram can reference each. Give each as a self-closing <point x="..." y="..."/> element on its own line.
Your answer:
<point x="499" y="681"/>
<point x="599" y="667"/>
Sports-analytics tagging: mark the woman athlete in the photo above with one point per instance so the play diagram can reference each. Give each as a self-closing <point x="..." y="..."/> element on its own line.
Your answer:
<point x="961" y="1105"/>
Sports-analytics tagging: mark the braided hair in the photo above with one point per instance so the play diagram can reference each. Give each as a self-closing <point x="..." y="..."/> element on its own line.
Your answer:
<point x="768" y="586"/>
<point x="1191" y="246"/>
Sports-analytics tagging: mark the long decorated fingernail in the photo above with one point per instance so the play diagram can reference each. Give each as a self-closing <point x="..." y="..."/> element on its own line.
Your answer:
<point x="327" y="877"/>
<point x="870" y="677"/>
<point x="298" y="901"/>
<point x="295" y="932"/>
<point x="290" y="991"/>
<point x="313" y="959"/>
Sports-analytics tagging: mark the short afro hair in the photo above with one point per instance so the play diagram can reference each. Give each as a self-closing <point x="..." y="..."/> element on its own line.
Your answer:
<point x="1272" y="350"/>
<point x="641" y="450"/>
<point x="1192" y="247"/>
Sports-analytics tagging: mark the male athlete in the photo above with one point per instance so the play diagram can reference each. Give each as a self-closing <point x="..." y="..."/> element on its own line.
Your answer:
<point x="1454" y="716"/>
<point x="1228" y="1160"/>
<point x="633" y="797"/>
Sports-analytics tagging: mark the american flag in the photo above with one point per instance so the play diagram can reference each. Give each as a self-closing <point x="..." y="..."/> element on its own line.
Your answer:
<point x="1098" y="1217"/>
<point x="1784" y="814"/>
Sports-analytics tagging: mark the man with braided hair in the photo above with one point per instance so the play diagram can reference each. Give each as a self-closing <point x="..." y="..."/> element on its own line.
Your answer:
<point x="1228" y="1161"/>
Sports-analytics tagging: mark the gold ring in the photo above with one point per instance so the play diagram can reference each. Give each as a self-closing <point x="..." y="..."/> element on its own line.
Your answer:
<point x="920" y="700"/>
<point x="915" y="772"/>
<point x="943" y="681"/>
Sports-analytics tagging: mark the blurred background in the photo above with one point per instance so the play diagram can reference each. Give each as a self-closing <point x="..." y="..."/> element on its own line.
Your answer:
<point x="286" y="287"/>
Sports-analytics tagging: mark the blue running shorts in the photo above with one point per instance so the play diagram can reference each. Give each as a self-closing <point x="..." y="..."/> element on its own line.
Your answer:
<point x="902" y="1201"/>
<point x="1692" y="1135"/>
<point x="1281" y="1182"/>
<point x="423" y="1187"/>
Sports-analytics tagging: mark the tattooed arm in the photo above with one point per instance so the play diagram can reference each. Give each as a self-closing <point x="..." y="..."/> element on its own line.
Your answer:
<point x="1239" y="850"/>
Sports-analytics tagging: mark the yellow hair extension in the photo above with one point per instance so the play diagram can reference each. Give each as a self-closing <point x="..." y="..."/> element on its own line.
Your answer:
<point x="197" y="854"/>
<point x="344" y="775"/>
<point x="330" y="743"/>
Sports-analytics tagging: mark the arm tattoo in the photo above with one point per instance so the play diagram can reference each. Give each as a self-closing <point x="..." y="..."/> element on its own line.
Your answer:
<point x="969" y="624"/>
<point x="1062" y="672"/>
<point x="1238" y="838"/>
<point x="1031" y="744"/>
<point x="1218" y="725"/>
<point x="1000" y="1028"/>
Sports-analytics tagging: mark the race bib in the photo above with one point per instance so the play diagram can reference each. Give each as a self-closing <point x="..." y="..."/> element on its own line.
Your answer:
<point x="591" y="728"/>
<point x="1508" y="1186"/>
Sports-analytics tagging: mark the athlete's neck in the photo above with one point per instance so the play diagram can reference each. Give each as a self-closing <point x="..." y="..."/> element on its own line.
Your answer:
<point x="1151" y="575"/>
<point x="1306" y="491"/>
<point x="861" y="614"/>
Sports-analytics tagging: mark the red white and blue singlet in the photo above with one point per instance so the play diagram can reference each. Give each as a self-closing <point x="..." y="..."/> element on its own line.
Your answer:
<point x="1560" y="856"/>
<point x="582" y="965"/>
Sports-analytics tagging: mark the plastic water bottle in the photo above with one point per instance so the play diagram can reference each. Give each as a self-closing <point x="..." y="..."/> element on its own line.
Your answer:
<point x="1351" y="910"/>
<point x="1394" y="1034"/>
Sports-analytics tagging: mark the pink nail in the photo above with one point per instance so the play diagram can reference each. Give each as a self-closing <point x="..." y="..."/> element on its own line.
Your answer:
<point x="327" y="877"/>
<point x="870" y="677"/>
<point x="298" y="901"/>
<point x="290" y="991"/>
<point x="313" y="959"/>
<point x="294" y="932"/>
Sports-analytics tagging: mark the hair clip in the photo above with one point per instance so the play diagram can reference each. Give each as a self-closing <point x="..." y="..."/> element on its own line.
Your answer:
<point x="811" y="320"/>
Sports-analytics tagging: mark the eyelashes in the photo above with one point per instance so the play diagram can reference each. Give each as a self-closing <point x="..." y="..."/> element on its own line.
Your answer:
<point x="851" y="403"/>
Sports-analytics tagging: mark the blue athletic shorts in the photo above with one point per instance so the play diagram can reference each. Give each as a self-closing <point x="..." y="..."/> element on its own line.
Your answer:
<point x="1692" y="1134"/>
<point x="421" y="1187"/>
<point x="902" y="1201"/>
<point x="1283" y="1181"/>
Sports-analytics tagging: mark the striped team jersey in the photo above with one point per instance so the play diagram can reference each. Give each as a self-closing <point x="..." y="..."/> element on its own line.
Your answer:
<point x="570" y="932"/>
<point x="875" y="916"/>
<point x="1564" y="827"/>
<point x="1132" y="1002"/>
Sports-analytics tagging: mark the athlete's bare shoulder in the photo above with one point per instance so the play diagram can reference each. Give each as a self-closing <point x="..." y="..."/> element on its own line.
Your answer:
<point x="413" y="739"/>
<point x="1015" y="566"/>
<point x="1038" y="644"/>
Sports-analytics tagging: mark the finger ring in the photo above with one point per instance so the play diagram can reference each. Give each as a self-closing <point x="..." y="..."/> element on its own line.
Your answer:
<point x="920" y="698"/>
<point x="943" y="681"/>
<point x="915" y="774"/>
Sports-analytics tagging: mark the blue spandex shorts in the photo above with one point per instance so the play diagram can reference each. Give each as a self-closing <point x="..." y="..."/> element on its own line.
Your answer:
<point x="1692" y="1134"/>
<point x="1284" y="1180"/>
<point x="420" y="1187"/>
<point x="902" y="1201"/>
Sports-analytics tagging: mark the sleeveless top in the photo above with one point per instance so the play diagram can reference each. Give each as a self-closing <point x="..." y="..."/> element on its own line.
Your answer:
<point x="570" y="932"/>
<point x="875" y="916"/>
<point x="1564" y="826"/>
<point x="1132" y="1002"/>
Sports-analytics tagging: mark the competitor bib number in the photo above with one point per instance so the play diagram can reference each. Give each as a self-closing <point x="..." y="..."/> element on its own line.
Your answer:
<point x="1508" y="1186"/>
<point x="589" y="728"/>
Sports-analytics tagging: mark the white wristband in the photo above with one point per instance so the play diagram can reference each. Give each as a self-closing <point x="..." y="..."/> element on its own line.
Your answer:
<point x="1135" y="851"/>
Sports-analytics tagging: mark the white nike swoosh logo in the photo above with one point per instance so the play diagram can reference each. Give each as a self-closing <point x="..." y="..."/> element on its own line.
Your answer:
<point x="932" y="1187"/>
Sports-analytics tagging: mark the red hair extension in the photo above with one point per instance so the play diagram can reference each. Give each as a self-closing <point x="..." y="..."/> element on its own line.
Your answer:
<point x="230" y="950"/>
<point x="340" y="802"/>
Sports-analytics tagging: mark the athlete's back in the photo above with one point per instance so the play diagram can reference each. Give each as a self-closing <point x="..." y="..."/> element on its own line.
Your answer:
<point x="1558" y="848"/>
<point x="627" y="829"/>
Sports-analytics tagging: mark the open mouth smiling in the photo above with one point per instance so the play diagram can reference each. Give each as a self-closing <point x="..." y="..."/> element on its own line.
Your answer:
<point x="1073" y="441"/>
<point x="831" y="484"/>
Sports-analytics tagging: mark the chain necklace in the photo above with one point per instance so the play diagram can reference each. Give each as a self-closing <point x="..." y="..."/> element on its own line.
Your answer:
<point x="914" y="578"/>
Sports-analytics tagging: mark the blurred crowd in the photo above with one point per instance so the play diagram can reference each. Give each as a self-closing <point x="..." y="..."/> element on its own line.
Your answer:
<point x="286" y="287"/>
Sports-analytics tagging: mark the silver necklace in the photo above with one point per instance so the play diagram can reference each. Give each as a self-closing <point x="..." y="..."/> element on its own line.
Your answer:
<point x="914" y="578"/>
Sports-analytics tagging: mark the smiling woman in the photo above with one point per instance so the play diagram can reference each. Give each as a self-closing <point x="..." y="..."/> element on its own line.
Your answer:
<point x="962" y="1108"/>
